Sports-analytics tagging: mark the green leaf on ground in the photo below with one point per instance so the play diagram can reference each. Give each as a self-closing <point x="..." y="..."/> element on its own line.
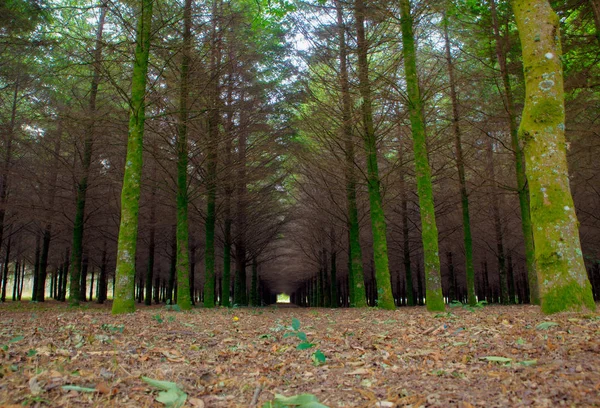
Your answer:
<point x="171" y="395"/>
<point x="545" y="325"/>
<point x="497" y="359"/>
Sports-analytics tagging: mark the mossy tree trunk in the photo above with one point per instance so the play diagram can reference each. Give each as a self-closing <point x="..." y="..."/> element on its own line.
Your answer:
<point x="358" y="297"/>
<point x="563" y="281"/>
<point x="124" y="301"/>
<point x="378" y="223"/>
<point x="183" y="267"/>
<point x="429" y="232"/>
<point x="522" y="186"/>
<point x="460" y="166"/>
<point x="75" y="291"/>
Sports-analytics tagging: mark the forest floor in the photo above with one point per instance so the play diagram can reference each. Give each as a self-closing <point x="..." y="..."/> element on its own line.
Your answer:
<point x="496" y="356"/>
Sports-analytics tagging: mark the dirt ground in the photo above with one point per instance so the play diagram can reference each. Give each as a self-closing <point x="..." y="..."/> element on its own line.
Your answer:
<point x="495" y="356"/>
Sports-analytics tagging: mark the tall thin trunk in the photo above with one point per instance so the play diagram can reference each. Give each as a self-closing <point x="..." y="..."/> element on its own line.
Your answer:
<point x="410" y="293"/>
<point x="78" y="227"/>
<point x="91" y="296"/>
<point x="495" y="198"/>
<point x="172" y="269"/>
<point x="564" y="284"/>
<point x="183" y="267"/>
<point x="358" y="297"/>
<point x="8" y="158"/>
<point x="460" y="165"/>
<point x="241" y="221"/>
<point x="429" y="231"/>
<point x="522" y="186"/>
<point x="130" y="196"/>
<point x="83" y="282"/>
<point x="151" y="246"/>
<point x="333" y="297"/>
<point x="51" y="193"/>
<point x="378" y="223"/>
<point x="211" y="178"/>
<point x="16" y="276"/>
<point x="36" y="268"/>
<point x="102" y="279"/>
<point x="228" y="192"/>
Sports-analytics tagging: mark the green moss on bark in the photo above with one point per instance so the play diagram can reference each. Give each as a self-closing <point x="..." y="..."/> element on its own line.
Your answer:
<point x="563" y="280"/>
<point x="429" y="232"/>
<point x="130" y="194"/>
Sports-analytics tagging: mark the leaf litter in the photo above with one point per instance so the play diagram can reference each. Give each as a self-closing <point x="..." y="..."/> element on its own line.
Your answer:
<point x="495" y="356"/>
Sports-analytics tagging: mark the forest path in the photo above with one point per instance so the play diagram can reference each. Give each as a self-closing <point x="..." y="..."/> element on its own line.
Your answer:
<point x="495" y="356"/>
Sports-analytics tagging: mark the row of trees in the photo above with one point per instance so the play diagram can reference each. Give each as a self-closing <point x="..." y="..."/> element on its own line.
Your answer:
<point x="456" y="89"/>
<point x="234" y="149"/>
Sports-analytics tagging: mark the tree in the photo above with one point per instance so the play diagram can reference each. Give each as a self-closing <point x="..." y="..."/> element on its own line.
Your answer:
<point x="183" y="268"/>
<point x="433" y="281"/>
<point x="130" y="195"/>
<point x="562" y="275"/>
<point x="378" y="224"/>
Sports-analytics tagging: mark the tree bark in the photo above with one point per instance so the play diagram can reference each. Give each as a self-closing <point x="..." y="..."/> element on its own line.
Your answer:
<point x="75" y="291"/>
<point x="433" y="281"/>
<point x="522" y="186"/>
<point x="460" y="166"/>
<point x="378" y="222"/>
<point x="183" y="267"/>
<point x="124" y="301"/>
<point x="564" y="284"/>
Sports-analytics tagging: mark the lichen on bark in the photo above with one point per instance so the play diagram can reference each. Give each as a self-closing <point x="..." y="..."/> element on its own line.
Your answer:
<point x="562" y="276"/>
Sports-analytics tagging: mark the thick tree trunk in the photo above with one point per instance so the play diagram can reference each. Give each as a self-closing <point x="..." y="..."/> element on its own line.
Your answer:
<point x="563" y="280"/>
<point x="183" y="267"/>
<point x="460" y="165"/>
<point x="522" y="186"/>
<point x="124" y="301"/>
<point x="433" y="281"/>
<point x="356" y="274"/>
<point x="378" y="222"/>
<point x="75" y="292"/>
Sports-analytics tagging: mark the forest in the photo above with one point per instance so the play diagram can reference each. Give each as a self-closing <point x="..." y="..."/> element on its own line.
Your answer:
<point x="401" y="194"/>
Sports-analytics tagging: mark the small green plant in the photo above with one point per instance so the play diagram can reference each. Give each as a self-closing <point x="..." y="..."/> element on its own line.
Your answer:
<point x="158" y="318"/>
<point x="173" y="307"/>
<point x="113" y="328"/>
<point x="317" y="357"/>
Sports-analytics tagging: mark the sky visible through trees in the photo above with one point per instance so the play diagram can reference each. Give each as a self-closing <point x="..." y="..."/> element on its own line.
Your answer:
<point x="346" y="153"/>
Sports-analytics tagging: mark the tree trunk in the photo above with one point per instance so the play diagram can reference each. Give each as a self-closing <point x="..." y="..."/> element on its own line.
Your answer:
<point x="410" y="294"/>
<point x="183" y="267"/>
<point x="241" y="222"/>
<point x="75" y="292"/>
<point x="429" y="234"/>
<point x="460" y="165"/>
<point x="36" y="268"/>
<point x="151" y="246"/>
<point x="16" y="276"/>
<point x="378" y="223"/>
<point x="102" y="281"/>
<point x="254" y="284"/>
<point x="522" y="186"/>
<point x="356" y="274"/>
<point x="124" y="301"/>
<point x="83" y="283"/>
<point x="564" y="284"/>
<point x="495" y="199"/>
